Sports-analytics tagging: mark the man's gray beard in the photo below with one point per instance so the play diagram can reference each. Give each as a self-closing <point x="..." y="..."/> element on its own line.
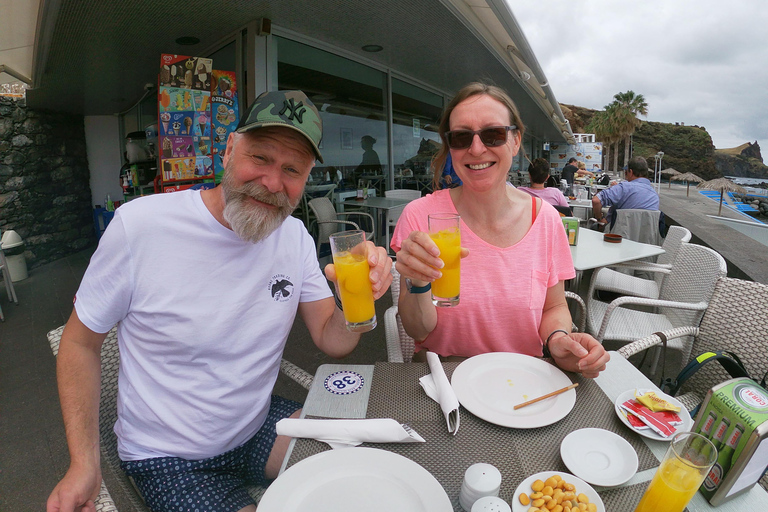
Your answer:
<point x="252" y="222"/>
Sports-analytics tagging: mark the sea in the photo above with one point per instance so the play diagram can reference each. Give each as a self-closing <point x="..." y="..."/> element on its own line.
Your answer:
<point x="747" y="181"/>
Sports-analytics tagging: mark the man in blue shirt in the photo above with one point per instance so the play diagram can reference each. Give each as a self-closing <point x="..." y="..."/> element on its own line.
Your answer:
<point x="634" y="193"/>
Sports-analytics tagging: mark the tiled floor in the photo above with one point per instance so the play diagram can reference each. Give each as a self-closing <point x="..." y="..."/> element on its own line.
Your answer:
<point x="33" y="451"/>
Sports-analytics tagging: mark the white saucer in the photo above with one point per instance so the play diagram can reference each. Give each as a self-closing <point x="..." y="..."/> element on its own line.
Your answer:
<point x="581" y="486"/>
<point x="599" y="456"/>
<point x="649" y="433"/>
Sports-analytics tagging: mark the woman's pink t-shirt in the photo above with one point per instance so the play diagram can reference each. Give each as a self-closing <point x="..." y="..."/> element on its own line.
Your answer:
<point x="502" y="289"/>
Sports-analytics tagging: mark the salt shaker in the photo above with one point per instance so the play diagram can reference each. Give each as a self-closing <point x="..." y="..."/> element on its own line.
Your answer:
<point x="491" y="504"/>
<point x="480" y="480"/>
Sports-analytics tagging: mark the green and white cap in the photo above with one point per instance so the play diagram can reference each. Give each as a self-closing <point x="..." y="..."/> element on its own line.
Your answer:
<point x="291" y="109"/>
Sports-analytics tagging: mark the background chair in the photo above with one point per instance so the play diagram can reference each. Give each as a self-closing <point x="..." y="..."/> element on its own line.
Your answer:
<point x="682" y="300"/>
<point x="329" y="222"/>
<point x="311" y="192"/>
<point x="394" y="214"/>
<point x="638" y="225"/>
<point x="607" y="279"/>
<point x="400" y="346"/>
<point x="735" y="320"/>
<point x="123" y="494"/>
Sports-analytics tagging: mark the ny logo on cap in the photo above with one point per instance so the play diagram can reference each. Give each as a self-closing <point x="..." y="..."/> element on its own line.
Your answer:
<point x="296" y="111"/>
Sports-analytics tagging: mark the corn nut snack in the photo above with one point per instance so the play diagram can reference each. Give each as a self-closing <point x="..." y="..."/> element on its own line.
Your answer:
<point x="555" y="495"/>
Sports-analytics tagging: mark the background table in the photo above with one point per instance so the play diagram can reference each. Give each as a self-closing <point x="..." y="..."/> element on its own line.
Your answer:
<point x="380" y="204"/>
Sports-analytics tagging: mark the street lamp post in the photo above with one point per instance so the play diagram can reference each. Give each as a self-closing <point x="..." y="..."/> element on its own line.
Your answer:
<point x="657" y="170"/>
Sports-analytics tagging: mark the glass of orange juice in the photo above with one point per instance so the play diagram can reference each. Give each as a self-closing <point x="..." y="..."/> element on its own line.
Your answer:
<point x="684" y="467"/>
<point x="444" y="231"/>
<point x="352" y="273"/>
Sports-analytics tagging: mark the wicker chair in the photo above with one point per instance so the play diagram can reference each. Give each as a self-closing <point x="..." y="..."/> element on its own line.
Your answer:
<point x="400" y="346"/>
<point x="615" y="281"/>
<point x="682" y="300"/>
<point x="328" y="222"/>
<point x="122" y="495"/>
<point x="735" y="320"/>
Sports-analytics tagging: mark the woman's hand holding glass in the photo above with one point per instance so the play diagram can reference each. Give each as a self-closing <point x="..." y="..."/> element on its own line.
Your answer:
<point x="579" y="352"/>
<point x="419" y="259"/>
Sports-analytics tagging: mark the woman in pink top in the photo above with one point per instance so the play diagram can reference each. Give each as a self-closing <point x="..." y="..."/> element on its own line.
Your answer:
<point x="515" y="254"/>
<point x="539" y="173"/>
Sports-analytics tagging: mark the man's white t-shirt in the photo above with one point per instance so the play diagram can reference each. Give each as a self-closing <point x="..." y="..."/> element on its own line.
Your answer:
<point x="204" y="317"/>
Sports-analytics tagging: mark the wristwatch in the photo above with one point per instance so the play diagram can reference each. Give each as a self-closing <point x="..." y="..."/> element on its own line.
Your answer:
<point x="416" y="289"/>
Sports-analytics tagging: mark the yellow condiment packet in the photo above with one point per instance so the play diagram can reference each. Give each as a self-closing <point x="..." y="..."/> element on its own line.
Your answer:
<point x="655" y="403"/>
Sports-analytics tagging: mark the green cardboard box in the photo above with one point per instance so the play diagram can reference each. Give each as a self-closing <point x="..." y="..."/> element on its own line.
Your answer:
<point x="734" y="416"/>
<point x="571" y="225"/>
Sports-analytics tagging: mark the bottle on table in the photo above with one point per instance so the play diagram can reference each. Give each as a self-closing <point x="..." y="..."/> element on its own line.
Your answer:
<point x="724" y="461"/>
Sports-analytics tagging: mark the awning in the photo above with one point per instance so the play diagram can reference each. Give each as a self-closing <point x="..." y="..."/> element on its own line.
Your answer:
<point x="18" y="25"/>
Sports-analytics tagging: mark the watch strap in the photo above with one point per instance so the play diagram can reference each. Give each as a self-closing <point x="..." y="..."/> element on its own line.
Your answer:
<point x="417" y="289"/>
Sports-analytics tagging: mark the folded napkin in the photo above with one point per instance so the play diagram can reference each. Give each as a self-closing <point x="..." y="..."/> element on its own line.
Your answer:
<point x="438" y="388"/>
<point x="345" y="433"/>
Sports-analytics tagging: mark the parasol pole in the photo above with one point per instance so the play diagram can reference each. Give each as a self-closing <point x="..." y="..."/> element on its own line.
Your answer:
<point x="720" y="210"/>
<point x="687" y="188"/>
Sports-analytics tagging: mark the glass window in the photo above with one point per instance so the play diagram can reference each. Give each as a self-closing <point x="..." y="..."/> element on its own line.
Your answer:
<point x="416" y="114"/>
<point x="351" y="98"/>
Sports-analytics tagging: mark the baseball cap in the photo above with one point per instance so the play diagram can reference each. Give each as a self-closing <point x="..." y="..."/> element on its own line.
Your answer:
<point x="291" y="109"/>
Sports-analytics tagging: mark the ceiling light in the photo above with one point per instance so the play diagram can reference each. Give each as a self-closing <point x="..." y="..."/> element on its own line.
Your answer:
<point x="187" y="41"/>
<point x="373" y="48"/>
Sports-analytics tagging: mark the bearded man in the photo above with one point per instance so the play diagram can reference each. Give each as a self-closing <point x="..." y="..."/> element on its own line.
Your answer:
<point x="190" y="278"/>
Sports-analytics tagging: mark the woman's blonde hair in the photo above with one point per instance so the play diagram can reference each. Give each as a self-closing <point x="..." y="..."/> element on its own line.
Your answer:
<point x="469" y="90"/>
<point x="582" y="166"/>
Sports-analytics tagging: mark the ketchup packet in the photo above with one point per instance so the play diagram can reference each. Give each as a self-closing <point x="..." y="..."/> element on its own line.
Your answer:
<point x="636" y="422"/>
<point x="658" y="421"/>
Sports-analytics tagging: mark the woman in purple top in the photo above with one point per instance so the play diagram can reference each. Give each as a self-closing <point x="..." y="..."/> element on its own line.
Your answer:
<point x="539" y="173"/>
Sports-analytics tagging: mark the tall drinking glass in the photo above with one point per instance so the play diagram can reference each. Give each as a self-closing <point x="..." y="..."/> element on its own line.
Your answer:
<point x="351" y="264"/>
<point x="444" y="231"/>
<point x="686" y="463"/>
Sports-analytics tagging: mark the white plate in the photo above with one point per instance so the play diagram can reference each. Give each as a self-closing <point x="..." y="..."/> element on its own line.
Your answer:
<point x="490" y="385"/>
<point x="648" y="432"/>
<point x="581" y="486"/>
<point x="599" y="456"/>
<point x="353" y="479"/>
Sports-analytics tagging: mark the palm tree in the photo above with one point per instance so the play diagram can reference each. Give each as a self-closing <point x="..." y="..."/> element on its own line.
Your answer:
<point x="629" y="105"/>
<point x="601" y="126"/>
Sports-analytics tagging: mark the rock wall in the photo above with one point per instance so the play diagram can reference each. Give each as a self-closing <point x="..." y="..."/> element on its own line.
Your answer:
<point x="45" y="193"/>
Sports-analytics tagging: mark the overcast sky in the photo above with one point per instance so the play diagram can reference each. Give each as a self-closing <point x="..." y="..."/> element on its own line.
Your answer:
<point x="701" y="62"/>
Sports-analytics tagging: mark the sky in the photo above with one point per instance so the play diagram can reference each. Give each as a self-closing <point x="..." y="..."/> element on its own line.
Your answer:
<point x="698" y="62"/>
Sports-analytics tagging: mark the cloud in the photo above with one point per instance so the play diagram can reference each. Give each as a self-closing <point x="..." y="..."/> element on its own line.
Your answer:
<point x="701" y="62"/>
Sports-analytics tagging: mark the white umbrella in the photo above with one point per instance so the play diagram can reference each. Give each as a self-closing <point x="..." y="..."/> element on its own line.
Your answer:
<point x="723" y="185"/>
<point x="689" y="178"/>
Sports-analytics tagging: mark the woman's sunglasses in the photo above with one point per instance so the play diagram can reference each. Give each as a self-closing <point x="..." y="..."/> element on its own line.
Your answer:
<point x="492" y="137"/>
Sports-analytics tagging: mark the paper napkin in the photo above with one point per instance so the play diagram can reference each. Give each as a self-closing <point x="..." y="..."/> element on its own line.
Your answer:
<point x="346" y="433"/>
<point x="437" y="387"/>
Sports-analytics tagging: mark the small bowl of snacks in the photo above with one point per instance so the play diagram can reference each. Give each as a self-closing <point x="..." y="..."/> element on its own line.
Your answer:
<point x="612" y="238"/>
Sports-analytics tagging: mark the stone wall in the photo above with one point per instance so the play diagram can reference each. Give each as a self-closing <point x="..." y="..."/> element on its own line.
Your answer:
<point x="45" y="193"/>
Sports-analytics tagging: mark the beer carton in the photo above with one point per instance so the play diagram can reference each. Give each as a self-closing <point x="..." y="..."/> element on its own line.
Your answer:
<point x="734" y="416"/>
<point x="571" y="225"/>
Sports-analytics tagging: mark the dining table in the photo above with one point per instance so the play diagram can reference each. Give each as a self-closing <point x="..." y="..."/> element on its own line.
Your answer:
<point x="592" y="251"/>
<point x="380" y="205"/>
<point x="391" y="390"/>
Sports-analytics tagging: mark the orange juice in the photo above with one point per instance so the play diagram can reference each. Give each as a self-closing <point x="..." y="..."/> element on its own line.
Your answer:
<point x="672" y="487"/>
<point x="449" y="243"/>
<point x="355" y="287"/>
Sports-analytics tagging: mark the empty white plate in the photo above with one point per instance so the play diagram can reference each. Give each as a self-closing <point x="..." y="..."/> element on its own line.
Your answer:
<point x="599" y="456"/>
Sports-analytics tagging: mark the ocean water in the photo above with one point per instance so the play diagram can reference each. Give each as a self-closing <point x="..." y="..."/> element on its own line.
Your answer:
<point x="747" y="181"/>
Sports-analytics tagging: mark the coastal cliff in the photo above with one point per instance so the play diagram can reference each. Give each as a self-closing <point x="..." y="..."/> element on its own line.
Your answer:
<point x="686" y="148"/>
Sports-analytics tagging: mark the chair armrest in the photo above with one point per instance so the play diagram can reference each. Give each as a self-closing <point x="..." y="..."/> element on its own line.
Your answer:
<point x="394" y="351"/>
<point x="582" y="310"/>
<point x="642" y="301"/>
<point x="363" y="214"/>
<point x="292" y="371"/>
<point x="652" y="340"/>
<point x="644" y="265"/>
<point x="313" y="225"/>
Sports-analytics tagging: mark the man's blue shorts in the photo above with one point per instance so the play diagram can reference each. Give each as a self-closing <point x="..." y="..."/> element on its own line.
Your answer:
<point x="172" y="484"/>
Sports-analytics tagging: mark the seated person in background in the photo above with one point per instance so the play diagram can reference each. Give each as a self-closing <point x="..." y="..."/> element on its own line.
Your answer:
<point x="516" y="255"/>
<point x="635" y="193"/>
<point x="449" y="178"/>
<point x="199" y="357"/>
<point x="539" y="173"/>
<point x="582" y="172"/>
